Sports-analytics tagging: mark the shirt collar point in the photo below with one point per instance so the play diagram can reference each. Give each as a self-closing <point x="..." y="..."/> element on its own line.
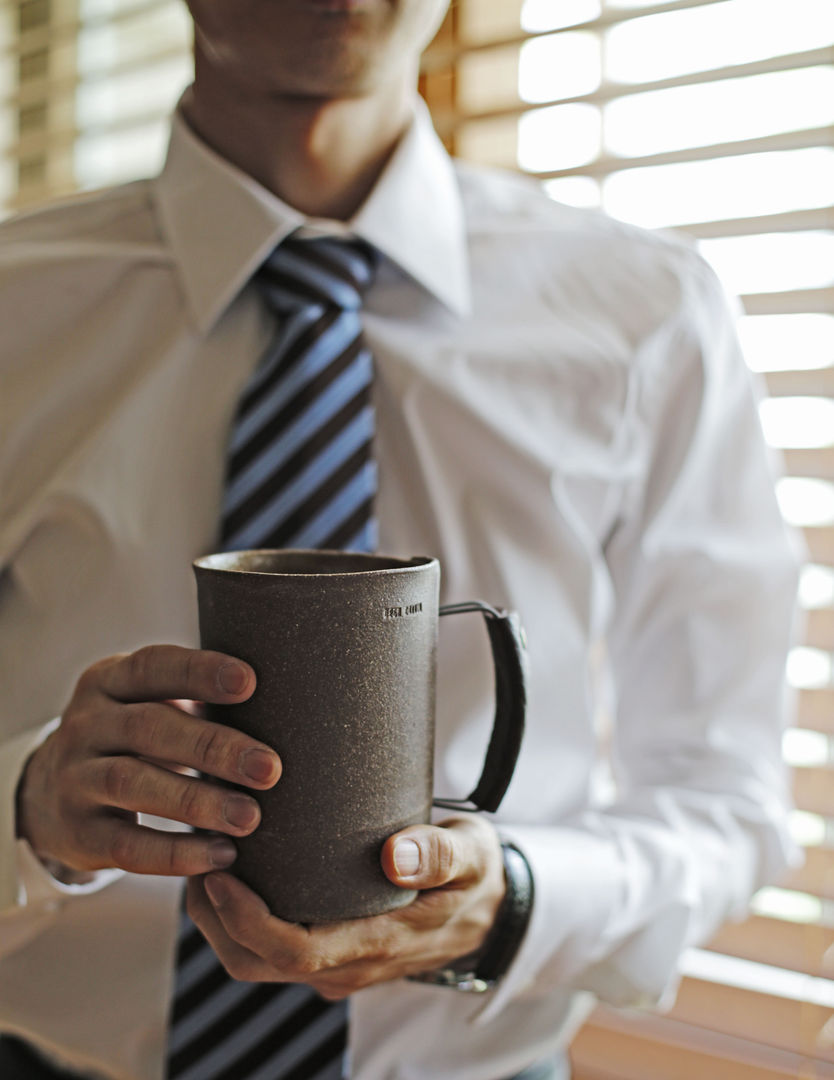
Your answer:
<point x="208" y="301"/>
<point x="458" y="299"/>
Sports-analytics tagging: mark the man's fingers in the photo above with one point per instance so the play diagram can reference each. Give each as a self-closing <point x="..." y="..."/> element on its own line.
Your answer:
<point x="126" y="783"/>
<point x="154" y="730"/>
<point x="286" y="947"/>
<point x="158" y="672"/>
<point x="142" y="850"/>
<point x="429" y="856"/>
<point x="239" y="962"/>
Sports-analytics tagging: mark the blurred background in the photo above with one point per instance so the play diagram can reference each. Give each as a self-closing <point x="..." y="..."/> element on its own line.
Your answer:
<point x="712" y="117"/>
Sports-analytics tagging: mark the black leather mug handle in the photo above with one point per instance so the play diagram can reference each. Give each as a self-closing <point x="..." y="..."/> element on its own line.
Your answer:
<point x="509" y="655"/>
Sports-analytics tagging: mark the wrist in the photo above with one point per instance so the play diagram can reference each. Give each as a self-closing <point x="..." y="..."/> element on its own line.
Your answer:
<point x="29" y="803"/>
<point x="480" y="971"/>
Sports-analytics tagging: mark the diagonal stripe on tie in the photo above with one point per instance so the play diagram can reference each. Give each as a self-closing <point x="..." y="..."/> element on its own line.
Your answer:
<point x="346" y="429"/>
<point x="300" y="473"/>
<point x="307" y="357"/>
<point x="278" y="521"/>
<point x="298" y="330"/>
<point x="293" y="421"/>
<point x="219" y="1007"/>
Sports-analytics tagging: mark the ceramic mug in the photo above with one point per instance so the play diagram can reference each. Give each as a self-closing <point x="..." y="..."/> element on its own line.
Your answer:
<point x="344" y="649"/>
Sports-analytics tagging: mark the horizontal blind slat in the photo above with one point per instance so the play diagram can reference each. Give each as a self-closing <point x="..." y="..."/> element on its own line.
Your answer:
<point x="780" y="1022"/>
<point x="813" y="789"/>
<point x="797" y="946"/>
<point x="815" y="710"/>
<point x="797" y="301"/>
<point x="450" y="121"/>
<point x="821" y="217"/>
<point x="819" y="628"/>
<point x="620" y="1046"/>
<point x="443" y="55"/>
<point x="803" y="382"/>
<point x="817" y="463"/>
<point x="62" y="30"/>
<point x="819" y="540"/>
<point x="815" y="876"/>
<point x="40" y="91"/>
<point x="790" y="140"/>
<point x="41" y="142"/>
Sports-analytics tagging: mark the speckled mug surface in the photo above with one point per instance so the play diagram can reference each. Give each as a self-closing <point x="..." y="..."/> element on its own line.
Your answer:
<point x="344" y="649"/>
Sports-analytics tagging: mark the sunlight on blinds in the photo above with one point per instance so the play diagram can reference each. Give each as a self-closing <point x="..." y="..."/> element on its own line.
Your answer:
<point x="133" y="63"/>
<point x="678" y="43"/>
<point x="8" y="118"/>
<point x="717" y="118"/>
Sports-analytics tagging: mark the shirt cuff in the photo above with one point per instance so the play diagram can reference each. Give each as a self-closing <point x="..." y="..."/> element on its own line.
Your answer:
<point x="29" y="893"/>
<point x="578" y="883"/>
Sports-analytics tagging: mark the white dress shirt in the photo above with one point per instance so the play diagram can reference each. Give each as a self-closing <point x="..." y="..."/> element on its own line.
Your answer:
<point x="564" y="420"/>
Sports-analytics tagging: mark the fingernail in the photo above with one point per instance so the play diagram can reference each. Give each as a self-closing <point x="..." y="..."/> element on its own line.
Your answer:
<point x="217" y="889"/>
<point x="222" y="853"/>
<point x="406" y="858"/>
<point x="232" y="677"/>
<point x="258" y="765"/>
<point x="240" y="811"/>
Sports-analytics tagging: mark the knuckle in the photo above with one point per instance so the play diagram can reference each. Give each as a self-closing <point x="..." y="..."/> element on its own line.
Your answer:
<point x="211" y="748"/>
<point x="76" y="721"/>
<point x="192" y="673"/>
<point x="307" y="964"/>
<point x="119" y="780"/>
<point x="191" y="802"/>
<point x="443" y="854"/>
<point x="175" y="858"/>
<point x="140" y="664"/>
<point x="378" y="948"/>
<point x="433" y="909"/>
<point x="121" y="849"/>
<point x="138" y="723"/>
<point x="90" y="678"/>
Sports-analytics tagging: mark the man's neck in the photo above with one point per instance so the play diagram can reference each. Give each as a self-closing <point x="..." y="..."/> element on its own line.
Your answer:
<point x="322" y="157"/>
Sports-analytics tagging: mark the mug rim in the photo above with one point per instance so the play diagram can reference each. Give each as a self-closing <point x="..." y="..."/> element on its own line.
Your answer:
<point x="213" y="563"/>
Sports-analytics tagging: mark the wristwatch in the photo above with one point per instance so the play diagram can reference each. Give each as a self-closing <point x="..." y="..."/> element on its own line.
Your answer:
<point x="478" y="972"/>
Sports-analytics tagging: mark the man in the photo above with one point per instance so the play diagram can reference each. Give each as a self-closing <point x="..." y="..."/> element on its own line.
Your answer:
<point x="562" y="417"/>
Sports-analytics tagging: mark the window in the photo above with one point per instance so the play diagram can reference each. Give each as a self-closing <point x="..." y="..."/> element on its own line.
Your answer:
<point x="85" y="90"/>
<point x="713" y="117"/>
<point x="716" y="118"/>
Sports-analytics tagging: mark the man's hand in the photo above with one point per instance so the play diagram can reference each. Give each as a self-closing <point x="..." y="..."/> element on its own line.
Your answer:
<point x="460" y="870"/>
<point x="121" y="740"/>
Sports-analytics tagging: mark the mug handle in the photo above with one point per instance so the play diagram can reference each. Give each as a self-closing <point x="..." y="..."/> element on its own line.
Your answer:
<point x="509" y="655"/>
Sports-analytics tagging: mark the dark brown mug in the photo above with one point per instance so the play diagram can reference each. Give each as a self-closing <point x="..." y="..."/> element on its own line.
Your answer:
<point x="344" y="649"/>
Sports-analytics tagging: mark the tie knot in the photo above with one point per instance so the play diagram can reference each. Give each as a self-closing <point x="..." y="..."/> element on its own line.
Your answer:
<point x="318" y="270"/>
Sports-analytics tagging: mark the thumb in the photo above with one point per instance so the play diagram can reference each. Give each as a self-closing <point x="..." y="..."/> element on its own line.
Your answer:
<point x="428" y="856"/>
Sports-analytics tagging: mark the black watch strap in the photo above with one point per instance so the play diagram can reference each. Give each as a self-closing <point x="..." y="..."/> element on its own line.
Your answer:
<point x="481" y="971"/>
<point x="507" y="933"/>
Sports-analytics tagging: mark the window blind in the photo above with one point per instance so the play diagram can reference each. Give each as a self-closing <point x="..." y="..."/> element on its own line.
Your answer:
<point x="86" y="87"/>
<point x="713" y="117"/>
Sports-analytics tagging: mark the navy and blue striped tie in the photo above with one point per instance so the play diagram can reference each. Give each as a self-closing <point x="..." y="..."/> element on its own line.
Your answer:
<point x="300" y="474"/>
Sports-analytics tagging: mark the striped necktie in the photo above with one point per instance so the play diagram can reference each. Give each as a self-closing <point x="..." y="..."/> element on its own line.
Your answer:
<point x="300" y="474"/>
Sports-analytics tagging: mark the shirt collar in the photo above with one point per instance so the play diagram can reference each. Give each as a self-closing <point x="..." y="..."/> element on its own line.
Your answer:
<point x="221" y="224"/>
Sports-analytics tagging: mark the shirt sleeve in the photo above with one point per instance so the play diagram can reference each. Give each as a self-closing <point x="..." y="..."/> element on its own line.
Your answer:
<point x="704" y="575"/>
<point x="31" y="894"/>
